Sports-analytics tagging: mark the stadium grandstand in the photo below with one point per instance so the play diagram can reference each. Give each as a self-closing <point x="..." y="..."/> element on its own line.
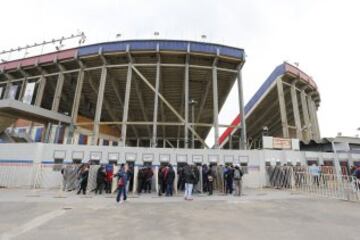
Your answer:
<point x="285" y="106"/>
<point x="144" y="93"/>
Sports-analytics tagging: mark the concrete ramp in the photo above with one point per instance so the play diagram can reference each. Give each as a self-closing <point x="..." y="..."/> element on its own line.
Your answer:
<point x="11" y="109"/>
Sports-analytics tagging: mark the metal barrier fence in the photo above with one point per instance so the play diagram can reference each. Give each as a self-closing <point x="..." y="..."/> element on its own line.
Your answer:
<point x="32" y="175"/>
<point x="302" y="179"/>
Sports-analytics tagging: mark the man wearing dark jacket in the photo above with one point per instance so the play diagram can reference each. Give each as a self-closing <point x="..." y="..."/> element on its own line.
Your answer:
<point x="211" y="177"/>
<point x="189" y="178"/>
<point x="170" y="181"/>
<point x="100" y="180"/>
<point x="84" y="174"/>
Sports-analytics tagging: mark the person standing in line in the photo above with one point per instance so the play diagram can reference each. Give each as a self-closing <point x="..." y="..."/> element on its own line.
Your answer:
<point x="196" y="179"/>
<point x="164" y="172"/>
<point x="65" y="178"/>
<point x="315" y="173"/>
<point x="148" y="179"/>
<point x="170" y="181"/>
<point x="356" y="175"/>
<point x="100" y="180"/>
<point x="238" y="173"/>
<point x="205" y="180"/>
<point x="160" y="181"/>
<point x="228" y="176"/>
<point x="84" y="175"/>
<point x="189" y="178"/>
<point x="210" y="178"/>
<point x="109" y="177"/>
<point x="130" y="177"/>
<point x="122" y="181"/>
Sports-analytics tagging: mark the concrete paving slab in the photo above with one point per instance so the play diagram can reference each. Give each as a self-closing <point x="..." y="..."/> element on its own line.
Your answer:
<point x="266" y="214"/>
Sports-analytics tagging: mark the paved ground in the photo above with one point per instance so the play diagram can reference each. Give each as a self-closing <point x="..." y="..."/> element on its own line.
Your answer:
<point x="265" y="214"/>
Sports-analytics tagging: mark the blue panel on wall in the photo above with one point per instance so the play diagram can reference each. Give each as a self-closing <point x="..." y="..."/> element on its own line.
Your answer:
<point x="231" y="52"/>
<point x="89" y="50"/>
<point x="38" y="134"/>
<point x="173" y="45"/>
<point x="114" y="47"/>
<point x="143" y="45"/>
<point x="203" y="47"/>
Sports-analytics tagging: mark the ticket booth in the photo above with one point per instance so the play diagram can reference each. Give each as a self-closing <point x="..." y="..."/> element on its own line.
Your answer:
<point x="130" y="160"/>
<point x="198" y="160"/>
<point x="77" y="157"/>
<point x="144" y="178"/>
<point x="164" y="160"/>
<point x="95" y="158"/>
<point x="113" y="158"/>
<point x="181" y="161"/>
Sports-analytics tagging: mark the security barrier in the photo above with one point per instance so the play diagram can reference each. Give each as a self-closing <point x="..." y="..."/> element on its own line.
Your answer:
<point x="302" y="179"/>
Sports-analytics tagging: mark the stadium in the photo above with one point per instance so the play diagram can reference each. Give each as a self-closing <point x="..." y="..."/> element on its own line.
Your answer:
<point x="149" y="103"/>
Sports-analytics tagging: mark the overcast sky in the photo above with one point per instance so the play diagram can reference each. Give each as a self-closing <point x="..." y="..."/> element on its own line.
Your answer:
<point x="322" y="35"/>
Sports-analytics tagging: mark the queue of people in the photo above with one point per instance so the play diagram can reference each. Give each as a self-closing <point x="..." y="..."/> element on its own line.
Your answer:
<point x="189" y="177"/>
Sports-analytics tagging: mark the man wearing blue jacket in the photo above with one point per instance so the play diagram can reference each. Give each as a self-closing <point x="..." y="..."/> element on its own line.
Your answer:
<point x="122" y="181"/>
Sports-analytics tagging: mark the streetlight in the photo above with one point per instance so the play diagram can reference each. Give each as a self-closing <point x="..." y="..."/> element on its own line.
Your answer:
<point x="192" y="103"/>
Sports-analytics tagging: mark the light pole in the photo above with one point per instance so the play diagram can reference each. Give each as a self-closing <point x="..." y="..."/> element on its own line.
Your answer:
<point x="192" y="103"/>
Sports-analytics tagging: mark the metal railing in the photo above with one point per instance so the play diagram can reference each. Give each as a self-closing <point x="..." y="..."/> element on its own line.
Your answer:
<point x="324" y="183"/>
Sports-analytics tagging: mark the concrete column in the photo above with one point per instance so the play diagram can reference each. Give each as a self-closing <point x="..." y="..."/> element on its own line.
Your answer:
<point x="137" y="142"/>
<point x="186" y="129"/>
<point x="99" y="103"/>
<point x="176" y="180"/>
<point x="126" y="105"/>
<point x="7" y="89"/>
<point x="305" y="112"/>
<point x="316" y="121"/>
<point x="243" y="135"/>
<point x="40" y="91"/>
<point x="295" y="105"/>
<point x="284" y="122"/>
<point x="312" y="117"/>
<point x="156" y="103"/>
<point x="156" y="173"/>
<point x="136" y="171"/>
<point x="215" y="106"/>
<point x="193" y="126"/>
<point x="47" y="133"/>
<point x="77" y="97"/>
<point x="57" y="132"/>
<point x="22" y="89"/>
<point x="58" y="91"/>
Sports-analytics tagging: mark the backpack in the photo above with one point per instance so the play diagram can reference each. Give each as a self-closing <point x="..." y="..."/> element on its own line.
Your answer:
<point x="121" y="182"/>
<point x="237" y="174"/>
